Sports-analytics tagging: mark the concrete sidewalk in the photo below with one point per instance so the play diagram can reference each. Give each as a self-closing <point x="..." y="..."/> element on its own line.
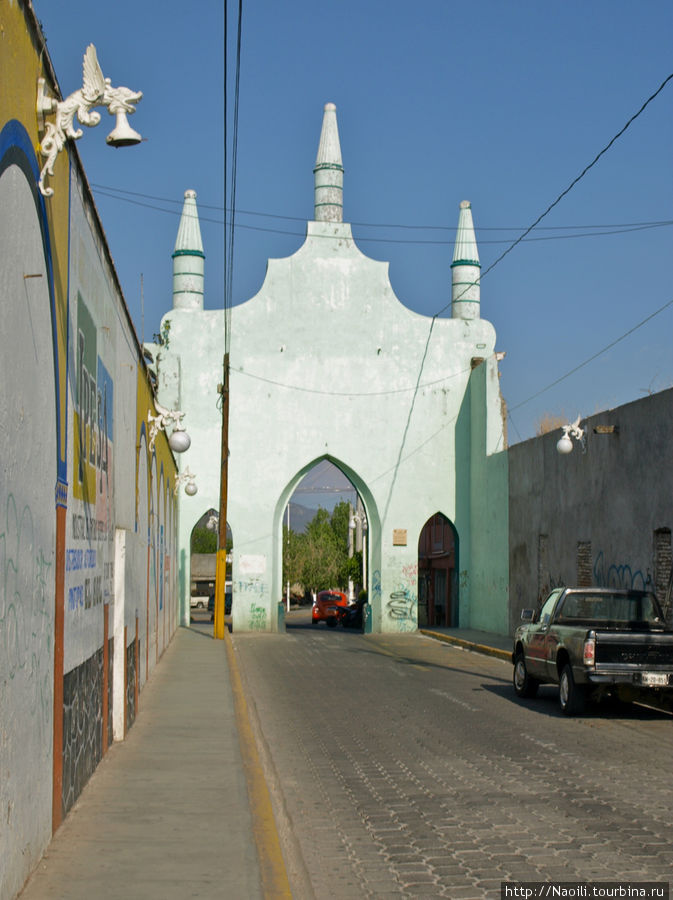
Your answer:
<point x="499" y="645"/>
<point x="167" y="812"/>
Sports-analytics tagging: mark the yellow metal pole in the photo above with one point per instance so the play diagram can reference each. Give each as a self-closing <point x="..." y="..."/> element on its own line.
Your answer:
<point x="221" y="566"/>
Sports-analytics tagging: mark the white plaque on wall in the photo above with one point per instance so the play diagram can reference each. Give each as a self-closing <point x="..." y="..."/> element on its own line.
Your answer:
<point x="252" y="564"/>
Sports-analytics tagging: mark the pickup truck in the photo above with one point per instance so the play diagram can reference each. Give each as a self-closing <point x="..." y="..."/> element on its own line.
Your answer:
<point x="594" y="641"/>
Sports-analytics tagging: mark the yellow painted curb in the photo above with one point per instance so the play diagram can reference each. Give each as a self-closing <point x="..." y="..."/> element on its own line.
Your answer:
<point x="468" y="645"/>
<point x="275" y="882"/>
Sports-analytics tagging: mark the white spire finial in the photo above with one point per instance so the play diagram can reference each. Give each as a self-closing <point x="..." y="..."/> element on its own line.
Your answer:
<point x="465" y="268"/>
<point x="329" y="172"/>
<point x="188" y="258"/>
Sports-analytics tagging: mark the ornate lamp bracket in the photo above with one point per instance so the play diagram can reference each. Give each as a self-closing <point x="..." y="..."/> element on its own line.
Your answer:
<point x="95" y="91"/>
<point x="189" y="481"/>
<point x="179" y="441"/>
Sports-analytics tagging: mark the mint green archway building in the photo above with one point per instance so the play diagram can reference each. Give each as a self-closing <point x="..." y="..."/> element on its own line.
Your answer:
<point x="327" y="363"/>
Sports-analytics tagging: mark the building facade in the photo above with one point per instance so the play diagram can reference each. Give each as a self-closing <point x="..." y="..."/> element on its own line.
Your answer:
<point x="88" y="526"/>
<point x="326" y="363"/>
<point x="601" y="515"/>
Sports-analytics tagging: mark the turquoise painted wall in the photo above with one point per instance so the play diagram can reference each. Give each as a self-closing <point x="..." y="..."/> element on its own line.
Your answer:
<point x="327" y="363"/>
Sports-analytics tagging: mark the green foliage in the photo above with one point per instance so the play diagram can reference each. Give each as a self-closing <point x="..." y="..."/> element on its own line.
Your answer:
<point x="204" y="541"/>
<point x="340" y="519"/>
<point x="318" y="559"/>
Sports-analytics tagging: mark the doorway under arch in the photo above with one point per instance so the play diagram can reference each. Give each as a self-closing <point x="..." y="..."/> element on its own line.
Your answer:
<point x="203" y="559"/>
<point x="363" y="502"/>
<point x="437" y="573"/>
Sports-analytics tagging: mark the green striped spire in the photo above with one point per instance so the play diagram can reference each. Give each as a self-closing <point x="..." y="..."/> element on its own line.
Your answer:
<point x="188" y="258"/>
<point x="329" y="172"/>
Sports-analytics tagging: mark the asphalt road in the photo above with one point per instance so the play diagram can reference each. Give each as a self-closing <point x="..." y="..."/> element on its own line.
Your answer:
<point x="403" y="767"/>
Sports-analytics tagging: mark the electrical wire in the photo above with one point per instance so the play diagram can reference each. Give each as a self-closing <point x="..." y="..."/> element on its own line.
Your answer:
<point x="229" y="255"/>
<point x="613" y="229"/>
<point x="109" y="191"/>
<point x="229" y="236"/>
<point x="593" y="357"/>
<point x="569" y="188"/>
<point x="306" y="390"/>
<point x="518" y="241"/>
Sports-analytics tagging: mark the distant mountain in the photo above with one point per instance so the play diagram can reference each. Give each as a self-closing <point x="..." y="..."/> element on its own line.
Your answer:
<point x="300" y="516"/>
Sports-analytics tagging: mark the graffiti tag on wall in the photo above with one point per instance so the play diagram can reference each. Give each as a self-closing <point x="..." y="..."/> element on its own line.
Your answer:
<point x="619" y="576"/>
<point x="257" y="621"/>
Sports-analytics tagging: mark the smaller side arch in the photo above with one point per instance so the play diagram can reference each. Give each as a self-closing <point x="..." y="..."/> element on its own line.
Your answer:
<point x="438" y="601"/>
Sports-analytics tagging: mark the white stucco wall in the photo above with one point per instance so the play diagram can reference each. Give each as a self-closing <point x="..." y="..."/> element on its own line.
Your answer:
<point x="325" y="363"/>
<point x="27" y="535"/>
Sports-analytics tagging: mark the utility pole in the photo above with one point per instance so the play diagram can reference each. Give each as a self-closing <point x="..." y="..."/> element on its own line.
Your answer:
<point x="221" y="566"/>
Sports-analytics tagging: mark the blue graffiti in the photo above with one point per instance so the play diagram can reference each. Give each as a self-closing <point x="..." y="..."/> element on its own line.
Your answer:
<point x="376" y="586"/>
<point x="619" y="576"/>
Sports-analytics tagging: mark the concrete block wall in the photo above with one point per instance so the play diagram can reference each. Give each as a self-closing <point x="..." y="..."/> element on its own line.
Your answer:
<point x="601" y="515"/>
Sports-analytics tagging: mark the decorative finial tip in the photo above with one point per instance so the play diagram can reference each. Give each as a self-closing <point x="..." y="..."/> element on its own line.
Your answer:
<point x="330" y="107"/>
<point x="465" y="204"/>
<point x="190" y="195"/>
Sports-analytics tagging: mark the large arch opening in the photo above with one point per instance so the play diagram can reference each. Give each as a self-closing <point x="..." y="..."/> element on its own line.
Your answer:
<point x="328" y="537"/>
<point x="437" y="573"/>
<point x="203" y="564"/>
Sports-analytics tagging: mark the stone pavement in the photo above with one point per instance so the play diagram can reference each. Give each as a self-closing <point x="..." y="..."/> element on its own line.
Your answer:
<point x="166" y="814"/>
<point x="178" y="810"/>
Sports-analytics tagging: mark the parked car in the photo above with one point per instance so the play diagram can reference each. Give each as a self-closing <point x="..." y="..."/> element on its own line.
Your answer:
<point x="593" y="641"/>
<point x="198" y="602"/>
<point x="324" y="607"/>
<point x="227" y="603"/>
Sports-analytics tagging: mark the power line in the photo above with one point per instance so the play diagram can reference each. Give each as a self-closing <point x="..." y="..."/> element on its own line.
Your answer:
<point x="593" y="357"/>
<point x="614" y="229"/>
<point x="570" y="186"/>
<point x="306" y="390"/>
<point x="112" y="192"/>
<point x="229" y="252"/>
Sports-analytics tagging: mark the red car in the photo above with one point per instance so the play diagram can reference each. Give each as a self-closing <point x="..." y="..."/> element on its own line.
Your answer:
<point x="323" y="603"/>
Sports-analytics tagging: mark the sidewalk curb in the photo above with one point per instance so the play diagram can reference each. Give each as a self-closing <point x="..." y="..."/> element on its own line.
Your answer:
<point x="275" y="881"/>
<point x="468" y="645"/>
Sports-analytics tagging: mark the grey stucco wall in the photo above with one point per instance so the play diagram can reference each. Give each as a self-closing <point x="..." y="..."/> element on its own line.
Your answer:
<point x="615" y="498"/>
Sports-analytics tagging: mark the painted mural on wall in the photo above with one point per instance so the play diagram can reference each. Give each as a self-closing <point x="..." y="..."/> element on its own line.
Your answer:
<point x="68" y="354"/>
<point x="89" y="554"/>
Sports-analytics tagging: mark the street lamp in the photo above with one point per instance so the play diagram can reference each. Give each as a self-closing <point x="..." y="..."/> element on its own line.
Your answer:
<point x="565" y="444"/>
<point x="188" y="479"/>
<point x="358" y="520"/>
<point x="179" y="441"/>
<point x="95" y="91"/>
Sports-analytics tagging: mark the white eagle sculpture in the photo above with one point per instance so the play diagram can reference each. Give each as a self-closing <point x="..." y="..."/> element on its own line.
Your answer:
<point x="96" y="90"/>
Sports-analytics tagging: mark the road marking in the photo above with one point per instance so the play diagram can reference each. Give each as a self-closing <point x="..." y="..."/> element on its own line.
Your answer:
<point x="453" y="699"/>
<point x="275" y="882"/>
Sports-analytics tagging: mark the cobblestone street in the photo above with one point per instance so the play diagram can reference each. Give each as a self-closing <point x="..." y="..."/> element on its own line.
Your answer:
<point x="405" y="767"/>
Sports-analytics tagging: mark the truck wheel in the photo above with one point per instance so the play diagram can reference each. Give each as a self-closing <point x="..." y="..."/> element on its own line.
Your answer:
<point x="524" y="685"/>
<point x="572" y="696"/>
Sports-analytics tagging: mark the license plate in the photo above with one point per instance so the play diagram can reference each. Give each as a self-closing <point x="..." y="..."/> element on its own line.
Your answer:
<point x="655" y="679"/>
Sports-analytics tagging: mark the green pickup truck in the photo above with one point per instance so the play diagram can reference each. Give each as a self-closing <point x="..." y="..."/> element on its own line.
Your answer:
<point x="594" y="641"/>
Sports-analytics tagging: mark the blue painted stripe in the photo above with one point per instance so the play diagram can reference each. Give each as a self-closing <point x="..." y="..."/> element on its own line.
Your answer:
<point x="16" y="149"/>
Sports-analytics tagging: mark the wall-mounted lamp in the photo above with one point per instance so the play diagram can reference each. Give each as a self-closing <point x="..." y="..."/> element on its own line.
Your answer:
<point x="189" y="481"/>
<point x="179" y="441"/>
<point x="95" y="91"/>
<point x="565" y="444"/>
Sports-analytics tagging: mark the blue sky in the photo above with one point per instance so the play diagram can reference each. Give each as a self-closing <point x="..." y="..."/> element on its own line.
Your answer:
<point x="500" y="102"/>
